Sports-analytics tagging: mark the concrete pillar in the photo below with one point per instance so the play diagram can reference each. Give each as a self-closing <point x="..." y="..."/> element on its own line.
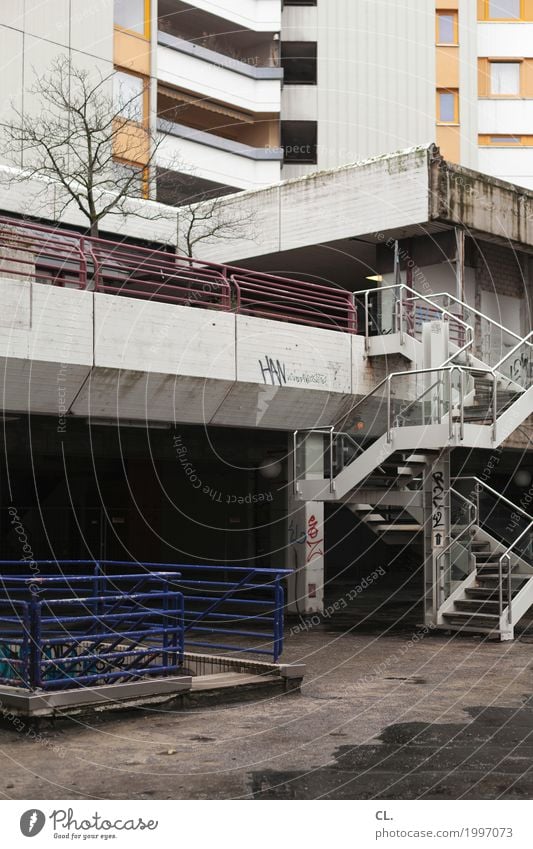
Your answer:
<point x="437" y="524"/>
<point x="305" y="552"/>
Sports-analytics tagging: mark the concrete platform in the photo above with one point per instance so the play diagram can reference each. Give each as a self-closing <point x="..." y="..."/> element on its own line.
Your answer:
<point x="205" y="677"/>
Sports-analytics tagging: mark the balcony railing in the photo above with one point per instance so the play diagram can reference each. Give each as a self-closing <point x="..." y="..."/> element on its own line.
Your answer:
<point x="34" y="252"/>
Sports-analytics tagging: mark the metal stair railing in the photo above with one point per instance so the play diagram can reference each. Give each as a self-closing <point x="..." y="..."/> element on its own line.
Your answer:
<point x="441" y="405"/>
<point x="399" y="313"/>
<point x="471" y="311"/>
<point x="474" y="518"/>
<point x="444" y="409"/>
<point x="504" y="563"/>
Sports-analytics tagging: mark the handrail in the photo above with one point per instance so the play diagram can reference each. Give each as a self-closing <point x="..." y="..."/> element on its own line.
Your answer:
<point x="507" y="556"/>
<point x="387" y="380"/>
<point x="401" y="287"/>
<point x="494" y="492"/>
<point x="470" y="525"/>
<point x="477" y="312"/>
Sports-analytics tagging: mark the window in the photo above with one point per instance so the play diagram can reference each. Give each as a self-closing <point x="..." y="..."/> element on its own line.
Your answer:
<point x="133" y="15"/>
<point x="299" y="141"/>
<point x="447" y="30"/>
<point x="130" y="178"/>
<point x="505" y="78"/>
<point x="298" y="60"/>
<point x="447" y="106"/>
<point x="506" y="10"/>
<point x="505" y="140"/>
<point x="128" y="96"/>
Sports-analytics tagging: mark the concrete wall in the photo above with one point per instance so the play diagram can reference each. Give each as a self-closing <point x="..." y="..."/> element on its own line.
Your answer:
<point x="379" y="194"/>
<point x="115" y="357"/>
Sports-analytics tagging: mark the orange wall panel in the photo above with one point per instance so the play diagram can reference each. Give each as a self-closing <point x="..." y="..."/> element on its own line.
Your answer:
<point x="132" y="143"/>
<point x="132" y="52"/>
<point x="447" y="67"/>
<point x="483" y="83"/>
<point x="449" y="142"/>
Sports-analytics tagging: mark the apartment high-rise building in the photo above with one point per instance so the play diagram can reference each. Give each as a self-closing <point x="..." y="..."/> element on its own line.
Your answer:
<point x="243" y="93"/>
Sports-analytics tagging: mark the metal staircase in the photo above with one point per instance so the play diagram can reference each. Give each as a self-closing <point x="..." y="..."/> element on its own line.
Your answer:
<point x="391" y="453"/>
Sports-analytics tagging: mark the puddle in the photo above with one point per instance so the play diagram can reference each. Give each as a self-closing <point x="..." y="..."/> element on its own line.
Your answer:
<point x="485" y="758"/>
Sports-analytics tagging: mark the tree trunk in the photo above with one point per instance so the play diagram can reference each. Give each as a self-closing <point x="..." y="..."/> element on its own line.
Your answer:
<point x="93" y="230"/>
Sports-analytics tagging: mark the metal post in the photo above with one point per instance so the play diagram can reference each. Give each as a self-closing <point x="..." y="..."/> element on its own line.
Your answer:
<point x="462" y="405"/>
<point x="460" y="266"/>
<point x="389" y="435"/>
<point x="450" y="412"/>
<point x="331" y="477"/>
<point x="401" y="315"/>
<point x="294" y="463"/>
<point x="35" y="643"/>
<point x="367" y="323"/>
<point x="500" y="583"/>
<point x="509" y="591"/>
<point x="494" y="406"/>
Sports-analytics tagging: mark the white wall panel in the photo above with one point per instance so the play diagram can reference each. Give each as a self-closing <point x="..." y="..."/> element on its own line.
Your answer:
<point x="376" y="75"/>
<point x="91" y="27"/>
<point x="505" y="116"/>
<point x="468" y="84"/>
<point x="505" y="40"/>
<point x="12" y="13"/>
<point x="516" y="166"/>
<point x="299" y="103"/>
<point x="299" y="23"/>
<point x="11" y="63"/>
<point x="48" y="19"/>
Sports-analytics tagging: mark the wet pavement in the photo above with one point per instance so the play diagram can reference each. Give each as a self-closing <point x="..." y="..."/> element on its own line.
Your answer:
<point x="388" y="710"/>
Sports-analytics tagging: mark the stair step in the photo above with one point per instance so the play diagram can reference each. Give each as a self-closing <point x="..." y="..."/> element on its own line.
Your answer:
<point x="489" y="619"/>
<point x="490" y="605"/>
<point x="482" y="593"/>
<point x="473" y="629"/>
<point x="397" y="528"/>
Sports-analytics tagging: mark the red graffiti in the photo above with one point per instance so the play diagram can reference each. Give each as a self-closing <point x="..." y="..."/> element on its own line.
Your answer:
<point x="314" y="545"/>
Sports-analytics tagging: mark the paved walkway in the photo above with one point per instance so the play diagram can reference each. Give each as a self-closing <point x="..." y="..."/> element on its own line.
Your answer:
<point x="407" y="715"/>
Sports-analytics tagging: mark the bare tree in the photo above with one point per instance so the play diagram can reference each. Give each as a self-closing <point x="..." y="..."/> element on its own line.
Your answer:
<point x="208" y="219"/>
<point x="84" y="124"/>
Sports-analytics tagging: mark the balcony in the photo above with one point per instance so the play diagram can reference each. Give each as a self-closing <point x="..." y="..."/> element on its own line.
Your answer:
<point x="184" y="65"/>
<point x="217" y="159"/>
<point x="254" y="15"/>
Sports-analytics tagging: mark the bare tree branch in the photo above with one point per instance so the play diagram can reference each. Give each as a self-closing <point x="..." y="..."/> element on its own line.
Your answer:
<point x="83" y="142"/>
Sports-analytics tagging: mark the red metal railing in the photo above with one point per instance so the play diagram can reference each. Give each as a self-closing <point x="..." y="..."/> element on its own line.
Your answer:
<point x="296" y="301"/>
<point x="31" y="251"/>
<point x="137" y="272"/>
<point x="36" y="252"/>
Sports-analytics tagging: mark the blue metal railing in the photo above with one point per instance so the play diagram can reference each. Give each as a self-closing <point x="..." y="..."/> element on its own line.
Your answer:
<point x="83" y="623"/>
<point x="65" y="630"/>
